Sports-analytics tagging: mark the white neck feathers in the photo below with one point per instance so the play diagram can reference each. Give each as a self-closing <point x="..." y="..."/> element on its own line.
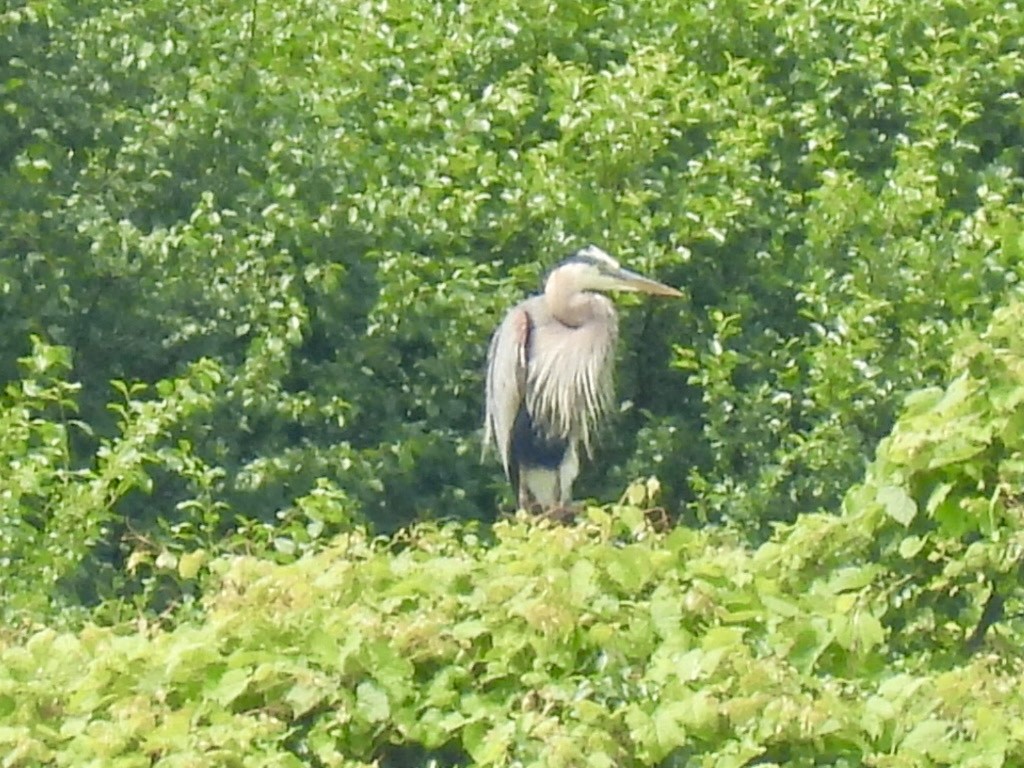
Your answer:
<point x="566" y="302"/>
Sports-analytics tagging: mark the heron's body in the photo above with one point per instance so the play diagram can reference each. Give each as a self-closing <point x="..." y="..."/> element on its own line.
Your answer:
<point x="549" y="376"/>
<point x="541" y="453"/>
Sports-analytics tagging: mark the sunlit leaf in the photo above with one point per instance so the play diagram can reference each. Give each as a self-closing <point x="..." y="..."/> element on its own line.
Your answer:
<point x="898" y="504"/>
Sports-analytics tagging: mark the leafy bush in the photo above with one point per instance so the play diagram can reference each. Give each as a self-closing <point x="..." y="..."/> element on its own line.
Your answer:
<point x="848" y="639"/>
<point x="285" y="231"/>
<point x="607" y="639"/>
<point x="943" y="495"/>
<point x="337" y="201"/>
<point x="57" y="516"/>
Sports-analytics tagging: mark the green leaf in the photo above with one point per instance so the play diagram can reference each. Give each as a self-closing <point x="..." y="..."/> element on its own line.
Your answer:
<point x="852" y="578"/>
<point x="190" y="563"/>
<point x="898" y="504"/>
<point x="937" y="497"/>
<point x="372" y="702"/>
<point x="666" y="610"/>
<point x="927" y="738"/>
<point x="868" y="630"/>
<point x="303" y="697"/>
<point x="910" y="546"/>
<point x="232" y="684"/>
<point x="492" y="747"/>
<point x="630" y="567"/>
<point x="582" y="581"/>
<point x="722" y="637"/>
<point x="669" y="726"/>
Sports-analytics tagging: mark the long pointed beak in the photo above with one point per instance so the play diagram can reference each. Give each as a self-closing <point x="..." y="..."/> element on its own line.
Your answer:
<point x="631" y="281"/>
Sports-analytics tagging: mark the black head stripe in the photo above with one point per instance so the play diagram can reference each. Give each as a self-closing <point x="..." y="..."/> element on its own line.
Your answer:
<point x="579" y="257"/>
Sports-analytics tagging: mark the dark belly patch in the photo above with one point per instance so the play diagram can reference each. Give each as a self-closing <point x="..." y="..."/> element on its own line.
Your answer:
<point x="531" y="447"/>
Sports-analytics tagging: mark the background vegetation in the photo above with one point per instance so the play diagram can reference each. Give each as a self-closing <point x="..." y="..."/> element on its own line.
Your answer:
<point x="250" y="257"/>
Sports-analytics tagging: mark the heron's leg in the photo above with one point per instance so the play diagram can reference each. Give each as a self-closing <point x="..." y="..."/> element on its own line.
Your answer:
<point x="556" y="497"/>
<point x="538" y="487"/>
<point x="567" y="472"/>
<point x="528" y="492"/>
<point x="525" y="500"/>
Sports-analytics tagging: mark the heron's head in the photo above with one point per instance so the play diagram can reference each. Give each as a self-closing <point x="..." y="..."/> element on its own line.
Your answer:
<point x="591" y="269"/>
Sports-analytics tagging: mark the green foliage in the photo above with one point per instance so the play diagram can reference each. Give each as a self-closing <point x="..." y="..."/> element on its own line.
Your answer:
<point x="844" y="639"/>
<point x="285" y="230"/>
<point x="55" y="514"/>
<point x="943" y="493"/>
<point x="605" y="639"/>
<point x="338" y="200"/>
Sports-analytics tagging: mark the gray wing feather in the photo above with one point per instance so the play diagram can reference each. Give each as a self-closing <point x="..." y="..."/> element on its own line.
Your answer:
<point x="506" y="381"/>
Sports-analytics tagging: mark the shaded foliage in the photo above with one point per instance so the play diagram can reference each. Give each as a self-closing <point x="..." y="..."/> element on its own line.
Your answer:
<point x="250" y="256"/>
<point x="850" y="639"/>
<point x="337" y="202"/>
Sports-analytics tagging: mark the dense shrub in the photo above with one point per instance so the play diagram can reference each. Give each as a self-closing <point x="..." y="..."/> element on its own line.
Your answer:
<point x="250" y="255"/>
<point x="337" y="201"/>
<point x="59" y="514"/>
<point x="844" y="639"/>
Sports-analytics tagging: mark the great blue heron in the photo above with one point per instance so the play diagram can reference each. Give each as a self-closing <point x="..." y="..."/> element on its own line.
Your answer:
<point x="549" y="375"/>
